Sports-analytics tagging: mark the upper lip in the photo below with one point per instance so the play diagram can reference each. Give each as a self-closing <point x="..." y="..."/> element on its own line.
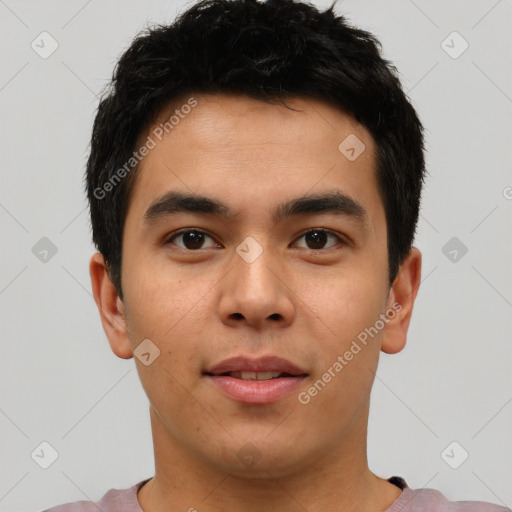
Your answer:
<point x="261" y="364"/>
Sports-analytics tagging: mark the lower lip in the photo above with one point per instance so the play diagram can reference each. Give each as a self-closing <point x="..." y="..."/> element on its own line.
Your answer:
<point x="256" y="391"/>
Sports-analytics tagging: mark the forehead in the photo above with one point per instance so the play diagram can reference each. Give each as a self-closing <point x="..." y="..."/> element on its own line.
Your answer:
<point x="255" y="152"/>
<point x="248" y="122"/>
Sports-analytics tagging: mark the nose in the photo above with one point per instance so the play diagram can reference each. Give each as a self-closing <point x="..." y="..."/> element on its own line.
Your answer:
<point x="255" y="293"/>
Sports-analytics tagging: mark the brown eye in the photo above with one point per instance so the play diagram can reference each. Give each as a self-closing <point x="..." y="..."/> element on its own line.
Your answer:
<point x="317" y="239"/>
<point x="191" y="239"/>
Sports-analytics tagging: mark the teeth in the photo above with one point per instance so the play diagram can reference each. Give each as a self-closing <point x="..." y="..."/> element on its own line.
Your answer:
<point x="254" y="375"/>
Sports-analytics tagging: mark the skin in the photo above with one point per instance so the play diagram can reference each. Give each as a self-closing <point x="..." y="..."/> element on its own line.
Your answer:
<point x="201" y="306"/>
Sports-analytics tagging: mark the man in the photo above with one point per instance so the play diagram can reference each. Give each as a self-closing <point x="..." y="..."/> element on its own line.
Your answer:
<point x="254" y="183"/>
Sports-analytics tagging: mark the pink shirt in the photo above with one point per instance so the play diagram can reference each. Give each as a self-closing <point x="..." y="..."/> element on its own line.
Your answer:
<point x="420" y="500"/>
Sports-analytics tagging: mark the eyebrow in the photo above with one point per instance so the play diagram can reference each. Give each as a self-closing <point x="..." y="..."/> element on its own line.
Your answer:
<point x="330" y="203"/>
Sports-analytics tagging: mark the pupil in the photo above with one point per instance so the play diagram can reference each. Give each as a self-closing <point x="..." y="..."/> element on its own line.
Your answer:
<point x="193" y="239"/>
<point x="317" y="238"/>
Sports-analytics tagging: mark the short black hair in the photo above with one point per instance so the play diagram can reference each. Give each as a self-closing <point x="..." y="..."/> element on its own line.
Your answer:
<point x="272" y="51"/>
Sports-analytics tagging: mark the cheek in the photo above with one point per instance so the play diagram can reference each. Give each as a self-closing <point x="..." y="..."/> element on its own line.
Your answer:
<point x="348" y="351"/>
<point x="159" y="301"/>
<point x="343" y="306"/>
<point x="173" y="311"/>
<point x="358" y="340"/>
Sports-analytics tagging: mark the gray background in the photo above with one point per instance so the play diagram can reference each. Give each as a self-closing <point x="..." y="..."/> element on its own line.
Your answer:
<point x="59" y="381"/>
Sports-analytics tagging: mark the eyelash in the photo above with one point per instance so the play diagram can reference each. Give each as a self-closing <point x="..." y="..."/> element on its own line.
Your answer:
<point x="311" y="230"/>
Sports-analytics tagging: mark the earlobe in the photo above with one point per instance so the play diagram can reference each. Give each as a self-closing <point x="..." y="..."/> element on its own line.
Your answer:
<point x="111" y="308"/>
<point x="401" y="300"/>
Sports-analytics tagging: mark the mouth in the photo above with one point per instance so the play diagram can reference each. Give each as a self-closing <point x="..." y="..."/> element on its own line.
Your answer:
<point x="269" y="375"/>
<point x="256" y="381"/>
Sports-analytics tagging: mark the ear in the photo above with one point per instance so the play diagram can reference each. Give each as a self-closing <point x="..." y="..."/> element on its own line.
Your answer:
<point x="110" y="307"/>
<point x="402" y="295"/>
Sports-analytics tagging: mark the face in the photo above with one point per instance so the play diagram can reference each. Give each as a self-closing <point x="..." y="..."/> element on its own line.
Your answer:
<point x="251" y="235"/>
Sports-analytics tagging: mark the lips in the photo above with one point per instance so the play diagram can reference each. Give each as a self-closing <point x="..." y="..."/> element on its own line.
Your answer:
<point x="236" y="365"/>
<point x="256" y="381"/>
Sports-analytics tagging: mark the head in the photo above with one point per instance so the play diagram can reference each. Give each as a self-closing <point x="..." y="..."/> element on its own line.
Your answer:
<point x="277" y="118"/>
<point x="270" y="51"/>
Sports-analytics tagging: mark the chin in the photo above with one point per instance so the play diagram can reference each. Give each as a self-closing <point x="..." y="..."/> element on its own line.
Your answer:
<point x="263" y="454"/>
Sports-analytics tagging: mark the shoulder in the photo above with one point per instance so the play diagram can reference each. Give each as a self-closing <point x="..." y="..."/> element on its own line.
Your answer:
<point x="114" y="500"/>
<point x="431" y="500"/>
<point x="76" y="506"/>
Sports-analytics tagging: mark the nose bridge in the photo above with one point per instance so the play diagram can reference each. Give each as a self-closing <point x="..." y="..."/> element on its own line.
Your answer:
<point x="253" y="291"/>
<point x="254" y="279"/>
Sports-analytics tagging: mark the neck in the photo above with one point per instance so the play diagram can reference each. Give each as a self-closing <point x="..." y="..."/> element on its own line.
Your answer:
<point x="338" y="479"/>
